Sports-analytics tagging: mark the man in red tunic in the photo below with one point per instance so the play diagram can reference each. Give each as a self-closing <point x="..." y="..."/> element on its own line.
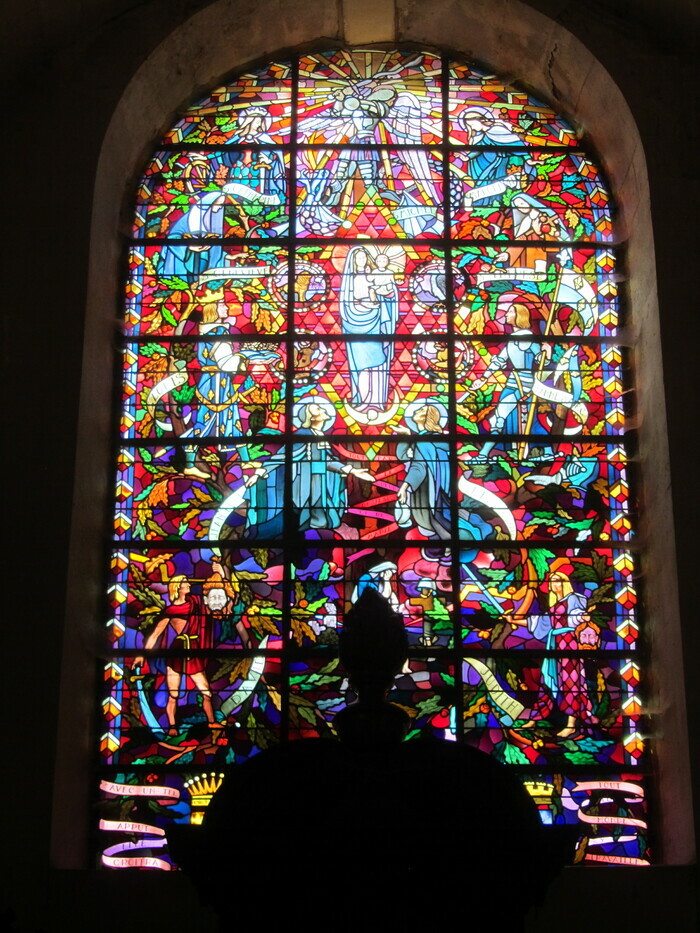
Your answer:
<point x="187" y="616"/>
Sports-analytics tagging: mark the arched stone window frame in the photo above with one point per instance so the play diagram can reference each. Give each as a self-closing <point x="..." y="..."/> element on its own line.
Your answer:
<point x="524" y="47"/>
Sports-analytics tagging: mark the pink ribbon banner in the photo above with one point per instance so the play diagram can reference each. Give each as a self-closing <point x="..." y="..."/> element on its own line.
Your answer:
<point x="139" y="790"/>
<point x="121" y="854"/>
<point x="125" y="826"/>
<point x="114" y="857"/>
<point x="616" y="860"/>
<point x="631" y="791"/>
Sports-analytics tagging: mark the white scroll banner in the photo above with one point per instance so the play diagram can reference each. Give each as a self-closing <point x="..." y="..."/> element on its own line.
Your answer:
<point x="514" y="274"/>
<point x="232" y="502"/>
<point x="560" y="397"/>
<point x="614" y="840"/>
<point x="575" y="290"/>
<point x="235" y="272"/>
<point x="403" y="213"/>
<point x="250" y="194"/>
<point x="238" y="697"/>
<point x="491" y="501"/>
<point x="499" y="696"/>
<point x="486" y="191"/>
<point x="174" y="381"/>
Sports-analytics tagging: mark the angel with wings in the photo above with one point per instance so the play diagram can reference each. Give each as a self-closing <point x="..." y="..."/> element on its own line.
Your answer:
<point x="373" y="111"/>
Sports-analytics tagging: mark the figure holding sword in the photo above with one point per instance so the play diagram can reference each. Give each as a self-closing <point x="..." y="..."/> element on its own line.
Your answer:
<point x="518" y="359"/>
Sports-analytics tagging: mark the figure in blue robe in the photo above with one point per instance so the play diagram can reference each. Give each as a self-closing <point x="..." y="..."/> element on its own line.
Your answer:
<point x="488" y="167"/>
<point x="256" y="177"/>
<point x="215" y="411"/>
<point x="426" y="486"/>
<point x="319" y="480"/>
<point x="520" y="359"/>
<point x="382" y="578"/>
<point x="368" y="305"/>
<point x="203" y="219"/>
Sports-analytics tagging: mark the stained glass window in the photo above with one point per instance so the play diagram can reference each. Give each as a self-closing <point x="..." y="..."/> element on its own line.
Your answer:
<point x="371" y="339"/>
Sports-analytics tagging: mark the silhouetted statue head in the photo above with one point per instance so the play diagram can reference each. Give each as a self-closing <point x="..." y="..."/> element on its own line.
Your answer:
<point x="373" y="646"/>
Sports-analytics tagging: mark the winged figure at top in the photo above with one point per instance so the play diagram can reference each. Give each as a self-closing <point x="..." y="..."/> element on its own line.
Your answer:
<point x="362" y="113"/>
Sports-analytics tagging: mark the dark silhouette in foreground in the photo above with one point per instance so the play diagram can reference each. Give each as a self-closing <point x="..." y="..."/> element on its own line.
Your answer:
<point x="372" y="833"/>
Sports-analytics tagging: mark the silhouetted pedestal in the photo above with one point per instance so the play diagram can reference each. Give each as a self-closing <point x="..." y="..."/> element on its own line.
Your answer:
<point x="372" y="833"/>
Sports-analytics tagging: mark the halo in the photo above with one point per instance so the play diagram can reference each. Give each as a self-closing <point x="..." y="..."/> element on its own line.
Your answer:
<point x="413" y="407"/>
<point x="395" y="254"/>
<point x="319" y="400"/>
<point x="280" y="284"/>
<point x="256" y="110"/>
<point x="477" y="110"/>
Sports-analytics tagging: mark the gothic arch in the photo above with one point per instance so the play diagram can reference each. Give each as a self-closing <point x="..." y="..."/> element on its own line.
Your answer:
<point x="516" y="42"/>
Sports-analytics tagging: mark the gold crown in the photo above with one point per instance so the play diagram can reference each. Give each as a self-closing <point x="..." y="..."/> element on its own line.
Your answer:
<point x="539" y="789"/>
<point x="211" y="295"/>
<point x="202" y="788"/>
